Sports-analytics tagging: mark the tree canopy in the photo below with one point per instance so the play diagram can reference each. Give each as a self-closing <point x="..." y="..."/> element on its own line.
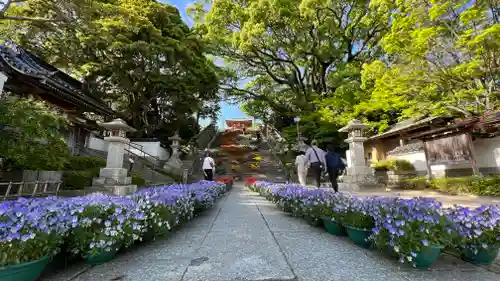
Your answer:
<point x="139" y="55"/>
<point x="379" y="61"/>
<point x="31" y="135"/>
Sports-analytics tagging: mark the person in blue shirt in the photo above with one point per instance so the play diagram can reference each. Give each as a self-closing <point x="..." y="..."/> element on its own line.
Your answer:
<point x="334" y="166"/>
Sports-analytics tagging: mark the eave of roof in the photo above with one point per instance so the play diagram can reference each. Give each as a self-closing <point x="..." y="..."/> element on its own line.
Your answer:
<point x="24" y="63"/>
<point x="397" y="130"/>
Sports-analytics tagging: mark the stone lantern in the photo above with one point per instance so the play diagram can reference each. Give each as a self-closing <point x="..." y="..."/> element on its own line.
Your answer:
<point x="358" y="173"/>
<point x="113" y="178"/>
<point x="174" y="161"/>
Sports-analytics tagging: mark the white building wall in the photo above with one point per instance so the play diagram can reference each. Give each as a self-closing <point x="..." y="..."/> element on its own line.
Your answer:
<point x="487" y="158"/>
<point x="416" y="158"/>
<point x="150" y="148"/>
<point x="487" y="152"/>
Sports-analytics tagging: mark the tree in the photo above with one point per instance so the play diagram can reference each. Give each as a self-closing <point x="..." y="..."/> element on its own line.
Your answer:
<point x="31" y="135"/>
<point x="295" y="59"/>
<point x="443" y="59"/>
<point x="138" y="55"/>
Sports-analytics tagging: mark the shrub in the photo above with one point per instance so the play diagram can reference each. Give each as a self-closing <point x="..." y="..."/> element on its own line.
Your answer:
<point x="78" y="179"/>
<point x="80" y="163"/>
<point x="489" y="186"/>
<point x="137" y="179"/>
<point x="31" y="135"/>
<point x="393" y="165"/>
<point x="413" y="183"/>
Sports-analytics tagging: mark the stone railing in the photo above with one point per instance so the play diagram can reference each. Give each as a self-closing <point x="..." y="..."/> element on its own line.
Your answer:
<point x="275" y="141"/>
<point x="205" y="136"/>
<point x="203" y="141"/>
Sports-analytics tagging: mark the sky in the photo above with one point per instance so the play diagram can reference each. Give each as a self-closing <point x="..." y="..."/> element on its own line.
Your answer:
<point x="228" y="111"/>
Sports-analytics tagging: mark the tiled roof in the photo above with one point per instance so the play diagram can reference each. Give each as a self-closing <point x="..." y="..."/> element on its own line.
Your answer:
<point x="21" y="61"/>
<point x="403" y="125"/>
<point x="409" y="148"/>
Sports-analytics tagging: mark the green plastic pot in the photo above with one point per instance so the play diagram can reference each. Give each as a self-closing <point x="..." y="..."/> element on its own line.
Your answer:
<point x="28" y="271"/>
<point x="102" y="257"/>
<point x="427" y="256"/>
<point x="483" y="256"/>
<point x="334" y="227"/>
<point x="359" y="236"/>
<point x="313" y="221"/>
<point x="287" y="208"/>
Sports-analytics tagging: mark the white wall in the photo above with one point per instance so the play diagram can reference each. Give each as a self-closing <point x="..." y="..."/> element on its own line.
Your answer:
<point x="487" y="152"/>
<point x="97" y="144"/>
<point x="487" y="157"/>
<point x="150" y="148"/>
<point x="3" y="79"/>
<point x="416" y="158"/>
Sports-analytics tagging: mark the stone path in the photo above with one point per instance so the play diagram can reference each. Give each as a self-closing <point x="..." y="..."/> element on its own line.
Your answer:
<point x="245" y="237"/>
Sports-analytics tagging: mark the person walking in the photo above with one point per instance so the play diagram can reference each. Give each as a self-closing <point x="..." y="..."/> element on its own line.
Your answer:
<point x="334" y="166"/>
<point x="316" y="160"/>
<point x="208" y="167"/>
<point x="301" y="163"/>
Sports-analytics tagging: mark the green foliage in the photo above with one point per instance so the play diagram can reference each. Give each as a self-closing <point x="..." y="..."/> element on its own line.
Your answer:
<point x="138" y="179"/>
<point x="487" y="186"/>
<point x="138" y="55"/>
<point x="30" y="137"/>
<point x="80" y="179"/>
<point x="357" y="220"/>
<point x="393" y="165"/>
<point x="413" y="183"/>
<point x="378" y="61"/>
<point x="79" y="163"/>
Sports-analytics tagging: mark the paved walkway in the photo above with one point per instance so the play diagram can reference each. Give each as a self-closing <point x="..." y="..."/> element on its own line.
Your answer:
<point x="245" y="237"/>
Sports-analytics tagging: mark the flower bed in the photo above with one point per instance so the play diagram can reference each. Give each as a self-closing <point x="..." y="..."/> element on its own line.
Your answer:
<point x="94" y="226"/>
<point x="414" y="230"/>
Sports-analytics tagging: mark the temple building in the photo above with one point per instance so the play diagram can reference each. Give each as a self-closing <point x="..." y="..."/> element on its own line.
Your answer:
<point x="441" y="146"/>
<point x="24" y="74"/>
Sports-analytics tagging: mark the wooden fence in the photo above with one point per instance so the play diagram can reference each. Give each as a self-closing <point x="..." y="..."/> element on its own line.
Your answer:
<point x="14" y="190"/>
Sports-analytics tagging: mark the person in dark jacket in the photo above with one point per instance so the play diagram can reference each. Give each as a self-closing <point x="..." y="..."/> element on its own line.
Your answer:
<point x="334" y="166"/>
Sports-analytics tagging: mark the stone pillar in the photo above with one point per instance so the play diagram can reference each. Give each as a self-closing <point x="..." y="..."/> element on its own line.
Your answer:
<point x="3" y="79"/>
<point x="359" y="175"/>
<point x="113" y="178"/>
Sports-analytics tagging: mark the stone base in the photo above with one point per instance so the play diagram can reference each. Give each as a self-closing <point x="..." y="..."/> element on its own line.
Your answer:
<point x="100" y="181"/>
<point x="112" y="176"/>
<point x="360" y="178"/>
<point x="113" y="189"/>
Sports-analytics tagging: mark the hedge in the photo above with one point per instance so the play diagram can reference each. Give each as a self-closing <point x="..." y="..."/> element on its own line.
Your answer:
<point x="485" y="186"/>
<point x="80" y="163"/>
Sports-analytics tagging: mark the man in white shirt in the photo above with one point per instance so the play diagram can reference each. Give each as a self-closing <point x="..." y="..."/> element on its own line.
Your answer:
<point x="316" y="159"/>
<point x="208" y="168"/>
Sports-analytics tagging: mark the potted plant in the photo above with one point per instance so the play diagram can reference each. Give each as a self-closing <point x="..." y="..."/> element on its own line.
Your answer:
<point x="414" y="229"/>
<point x="32" y="232"/>
<point x="357" y="220"/>
<point x="99" y="228"/>
<point x="331" y="218"/>
<point x="477" y="233"/>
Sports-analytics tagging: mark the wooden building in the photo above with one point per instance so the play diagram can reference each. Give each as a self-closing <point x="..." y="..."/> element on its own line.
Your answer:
<point x="442" y="146"/>
<point x="28" y="75"/>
